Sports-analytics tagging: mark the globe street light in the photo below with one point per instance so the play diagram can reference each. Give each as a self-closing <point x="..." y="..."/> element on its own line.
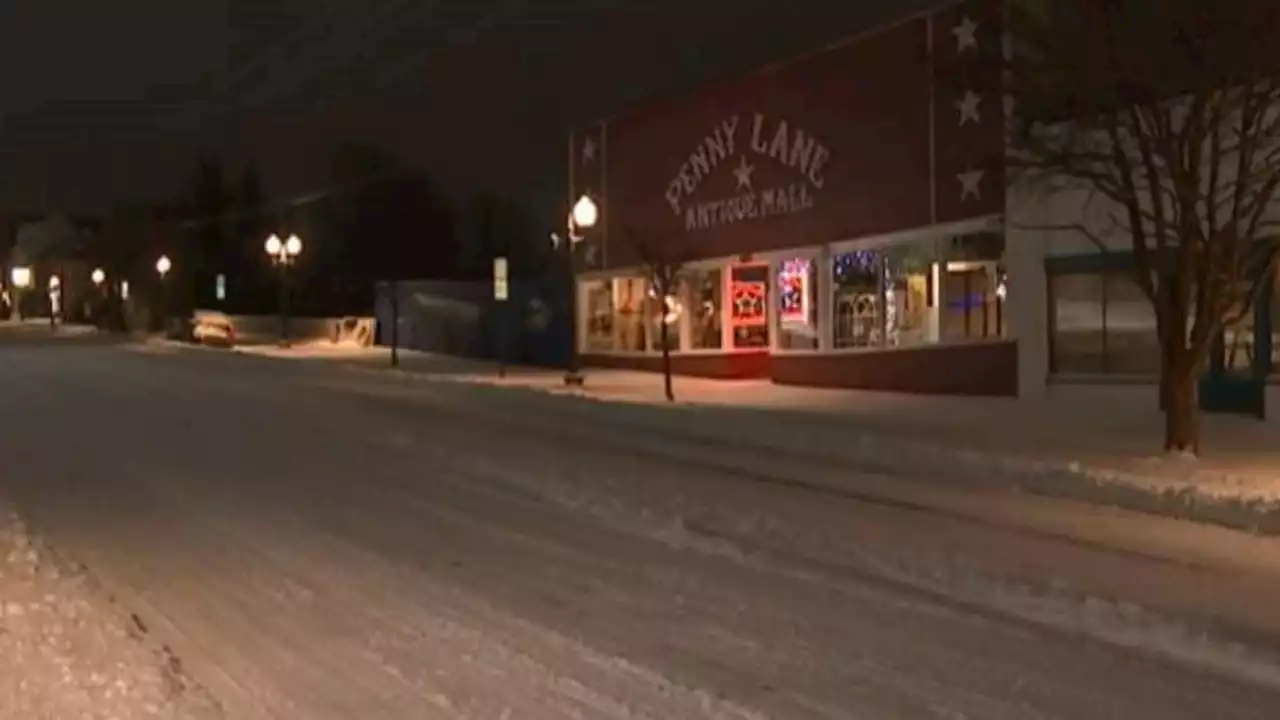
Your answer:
<point x="583" y="216"/>
<point x="163" y="266"/>
<point x="98" y="276"/>
<point x="283" y="254"/>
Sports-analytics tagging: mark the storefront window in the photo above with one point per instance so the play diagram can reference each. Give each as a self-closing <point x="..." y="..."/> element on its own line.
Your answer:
<point x="1077" y="324"/>
<point x="702" y="291"/>
<point x="907" y="288"/>
<point x="748" y="314"/>
<point x="668" y="311"/>
<point x="858" y="301"/>
<point x="1102" y="323"/>
<point x="598" y="309"/>
<point x="1132" y="340"/>
<point x="629" y="300"/>
<point x="973" y="289"/>
<point x="797" y="283"/>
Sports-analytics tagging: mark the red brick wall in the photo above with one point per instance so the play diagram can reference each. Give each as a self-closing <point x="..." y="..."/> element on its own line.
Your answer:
<point x="977" y="369"/>
<point x="726" y="366"/>
<point x="858" y="140"/>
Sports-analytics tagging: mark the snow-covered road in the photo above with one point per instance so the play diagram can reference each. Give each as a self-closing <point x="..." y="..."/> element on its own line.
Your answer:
<point x="318" y="544"/>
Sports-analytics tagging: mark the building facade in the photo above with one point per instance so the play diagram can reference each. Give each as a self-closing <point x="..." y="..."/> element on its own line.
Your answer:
<point x="839" y="219"/>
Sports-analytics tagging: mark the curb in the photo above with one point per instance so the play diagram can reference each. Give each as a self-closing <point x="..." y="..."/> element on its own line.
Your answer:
<point x="1175" y="498"/>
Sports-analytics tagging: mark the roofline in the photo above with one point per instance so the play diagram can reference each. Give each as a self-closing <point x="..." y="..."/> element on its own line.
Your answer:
<point x="774" y="66"/>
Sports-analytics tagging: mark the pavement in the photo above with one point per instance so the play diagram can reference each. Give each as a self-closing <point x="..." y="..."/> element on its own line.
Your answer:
<point x="1098" y="444"/>
<point x="315" y="543"/>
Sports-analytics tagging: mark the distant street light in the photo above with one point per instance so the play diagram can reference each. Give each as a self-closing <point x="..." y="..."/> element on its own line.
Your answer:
<point x="583" y="216"/>
<point x="283" y="255"/>
<point x="21" y="278"/>
<point x="55" y="300"/>
<point x="163" y="266"/>
<point x="98" y="277"/>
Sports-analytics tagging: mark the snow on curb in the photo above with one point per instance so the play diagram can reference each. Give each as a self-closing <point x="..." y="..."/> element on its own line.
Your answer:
<point x="1177" y="489"/>
<point x="63" y="655"/>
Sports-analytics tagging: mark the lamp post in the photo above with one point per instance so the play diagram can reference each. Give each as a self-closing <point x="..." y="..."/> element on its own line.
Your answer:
<point x="99" y="276"/>
<point x="163" y="266"/>
<point x="21" y="278"/>
<point x="55" y="300"/>
<point x="283" y="253"/>
<point x="582" y="217"/>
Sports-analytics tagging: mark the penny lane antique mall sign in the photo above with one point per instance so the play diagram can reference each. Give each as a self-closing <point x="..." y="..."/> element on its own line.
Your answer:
<point x="729" y="141"/>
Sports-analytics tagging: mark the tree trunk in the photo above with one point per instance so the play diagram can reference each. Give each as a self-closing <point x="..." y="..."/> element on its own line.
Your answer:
<point x="663" y="331"/>
<point x="1181" y="413"/>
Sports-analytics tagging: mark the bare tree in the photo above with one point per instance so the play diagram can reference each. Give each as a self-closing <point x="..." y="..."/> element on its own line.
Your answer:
<point x="1166" y="115"/>
<point x="663" y="257"/>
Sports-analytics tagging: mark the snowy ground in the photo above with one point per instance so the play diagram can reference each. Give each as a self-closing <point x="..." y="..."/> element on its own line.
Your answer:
<point x="314" y="543"/>
<point x="67" y="652"/>
<point x="1092" y="443"/>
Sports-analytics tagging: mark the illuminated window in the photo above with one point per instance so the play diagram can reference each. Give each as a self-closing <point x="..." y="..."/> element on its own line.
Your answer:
<point x="702" y="291"/>
<point x="797" y="283"/>
<point x="748" y="312"/>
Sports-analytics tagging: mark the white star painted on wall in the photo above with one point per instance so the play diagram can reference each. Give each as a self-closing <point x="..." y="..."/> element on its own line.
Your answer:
<point x="589" y="149"/>
<point x="589" y="254"/>
<point x="743" y="173"/>
<point x="970" y="184"/>
<point x="966" y="35"/>
<point x="967" y="106"/>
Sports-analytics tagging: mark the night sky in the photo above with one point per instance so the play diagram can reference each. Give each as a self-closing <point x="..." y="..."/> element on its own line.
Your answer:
<point x="105" y="101"/>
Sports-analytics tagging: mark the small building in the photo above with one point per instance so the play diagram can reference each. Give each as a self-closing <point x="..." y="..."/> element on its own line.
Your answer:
<point x="839" y="218"/>
<point x="843" y="219"/>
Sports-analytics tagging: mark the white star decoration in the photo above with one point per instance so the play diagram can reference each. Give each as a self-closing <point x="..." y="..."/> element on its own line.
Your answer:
<point x="966" y="35"/>
<point x="589" y="254"/>
<point x="970" y="184"/>
<point x="743" y="173"/>
<point x="967" y="106"/>
<point x="589" y="149"/>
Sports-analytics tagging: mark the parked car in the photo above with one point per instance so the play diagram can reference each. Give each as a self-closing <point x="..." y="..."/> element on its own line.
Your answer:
<point x="214" y="332"/>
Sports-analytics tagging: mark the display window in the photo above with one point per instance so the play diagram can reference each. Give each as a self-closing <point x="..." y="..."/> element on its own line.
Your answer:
<point x="798" y="316"/>
<point x="749" y="306"/>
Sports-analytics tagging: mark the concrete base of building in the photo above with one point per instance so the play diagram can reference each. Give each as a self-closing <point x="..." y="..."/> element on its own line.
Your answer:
<point x="975" y="369"/>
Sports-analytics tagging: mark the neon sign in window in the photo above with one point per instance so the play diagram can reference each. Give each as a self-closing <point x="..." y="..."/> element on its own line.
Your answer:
<point x="794" y="293"/>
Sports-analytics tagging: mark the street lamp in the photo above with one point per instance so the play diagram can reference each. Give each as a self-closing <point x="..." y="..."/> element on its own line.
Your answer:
<point x="283" y="254"/>
<point x="98" y="277"/>
<point x="21" y="277"/>
<point x="163" y="266"/>
<point x="582" y="216"/>
<point x="55" y="300"/>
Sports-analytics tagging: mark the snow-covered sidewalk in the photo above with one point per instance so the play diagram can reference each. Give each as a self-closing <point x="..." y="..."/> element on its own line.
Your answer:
<point x="1097" y="444"/>
<point x="65" y="653"/>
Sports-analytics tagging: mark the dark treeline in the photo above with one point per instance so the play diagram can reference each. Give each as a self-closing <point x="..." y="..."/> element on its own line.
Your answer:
<point x="376" y="218"/>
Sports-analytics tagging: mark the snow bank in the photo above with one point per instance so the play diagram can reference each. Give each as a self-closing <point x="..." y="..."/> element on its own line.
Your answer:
<point x="64" y="655"/>
<point x="1170" y="487"/>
